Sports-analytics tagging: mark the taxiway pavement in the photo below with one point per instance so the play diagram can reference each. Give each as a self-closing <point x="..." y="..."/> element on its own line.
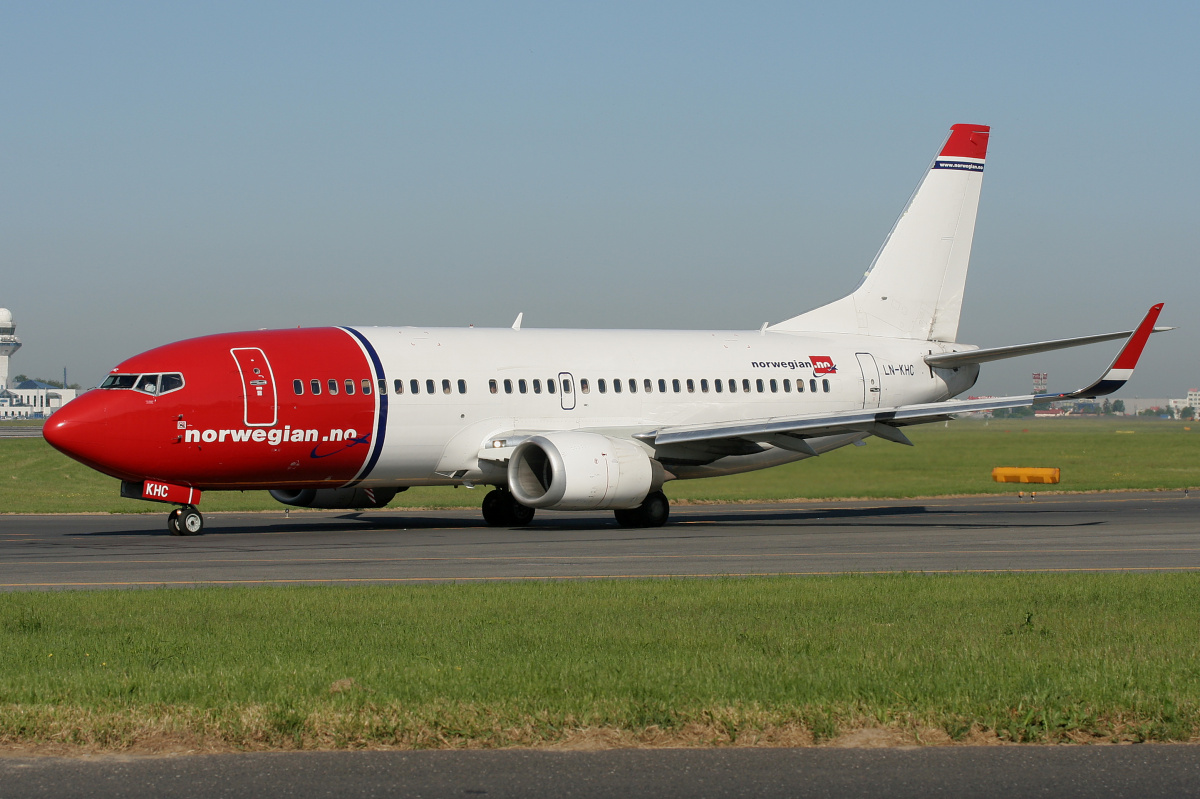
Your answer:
<point x="1153" y="531"/>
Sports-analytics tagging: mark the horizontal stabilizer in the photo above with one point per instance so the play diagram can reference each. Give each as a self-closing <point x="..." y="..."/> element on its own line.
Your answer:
<point x="882" y="422"/>
<point x="951" y="360"/>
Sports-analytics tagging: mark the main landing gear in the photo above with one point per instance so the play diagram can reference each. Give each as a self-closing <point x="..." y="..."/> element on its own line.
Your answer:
<point x="501" y="509"/>
<point x="652" y="512"/>
<point x="185" y="521"/>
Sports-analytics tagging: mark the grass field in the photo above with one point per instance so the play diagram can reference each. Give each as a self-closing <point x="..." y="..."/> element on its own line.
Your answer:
<point x="1094" y="454"/>
<point x="747" y="661"/>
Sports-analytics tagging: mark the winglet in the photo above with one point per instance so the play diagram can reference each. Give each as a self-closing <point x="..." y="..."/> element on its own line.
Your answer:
<point x="1122" y="366"/>
<point x="517" y="324"/>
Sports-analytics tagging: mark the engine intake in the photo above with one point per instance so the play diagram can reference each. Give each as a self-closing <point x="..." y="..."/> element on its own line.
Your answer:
<point x="336" y="498"/>
<point x="579" y="471"/>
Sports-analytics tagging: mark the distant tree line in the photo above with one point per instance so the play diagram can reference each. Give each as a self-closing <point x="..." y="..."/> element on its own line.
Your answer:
<point x="56" y="383"/>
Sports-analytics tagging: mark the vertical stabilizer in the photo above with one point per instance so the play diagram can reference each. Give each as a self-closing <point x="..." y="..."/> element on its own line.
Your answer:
<point x="914" y="287"/>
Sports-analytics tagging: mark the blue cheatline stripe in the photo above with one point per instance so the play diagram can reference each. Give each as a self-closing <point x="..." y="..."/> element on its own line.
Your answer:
<point x="381" y="422"/>
<point x="969" y="166"/>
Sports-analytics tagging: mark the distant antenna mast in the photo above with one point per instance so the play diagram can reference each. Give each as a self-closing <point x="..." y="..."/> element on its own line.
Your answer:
<point x="1040" y="380"/>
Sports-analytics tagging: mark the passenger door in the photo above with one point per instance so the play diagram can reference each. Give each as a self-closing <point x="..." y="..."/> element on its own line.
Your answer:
<point x="258" y="387"/>
<point x="870" y="372"/>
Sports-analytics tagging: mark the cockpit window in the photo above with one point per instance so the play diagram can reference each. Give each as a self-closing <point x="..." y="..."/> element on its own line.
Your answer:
<point x="147" y="384"/>
<point x="119" y="381"/>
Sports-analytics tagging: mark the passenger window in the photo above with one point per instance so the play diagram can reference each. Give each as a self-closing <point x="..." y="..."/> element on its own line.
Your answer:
<point x="173" y="382"/>
<point x="333" y="386"/>
<point x="584" y="385"/>
<point x="430" y="387"/>
<point x="732" y="386"/>
<point x="799" y="386"/>
<point x="398" y="385"/>
<point x="617" y="386"/>
<point x="812" y="385"/>
<point x="759" y="385"/>
<point x="507" y="386"/>
<point x="315" y="385"/>
<point x="648" y="385"/>
<point x="414" y="386"/>
<point x="566" y="386"/>
<point x="632" y="386"/>
<point x="382" y="386"/>
<point x="298" y="387"/>
<point x="774" y="386"/>
<point x="745" y="385"/>
<point x="662" y="386"/>
<point x="602" y="385"/>
<point x="550" y="386"/>
<point x="691" y="384"/>
<point x="522" y="387"/>
<point x="349" y="386"/>
<point x="366" y="386"/>
<point x="787" y="386"/>
<point x="537" y="386"/>
<point x="445" y="386"/>
<point x="704" y="386"/>
<point x="462" y="386"/>
<point x="825" y="385"/>
<point x="718" y="385"/>
<point x="493" y="386"/>
<point x="675" y="385"/>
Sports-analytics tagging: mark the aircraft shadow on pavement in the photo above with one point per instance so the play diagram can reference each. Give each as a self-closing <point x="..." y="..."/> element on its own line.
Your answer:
<point x="915" y="516"/>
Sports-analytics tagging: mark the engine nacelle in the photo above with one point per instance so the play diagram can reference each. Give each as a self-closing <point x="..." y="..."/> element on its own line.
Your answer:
<point x="336" y="498"/>
<point x="579" y="471"/>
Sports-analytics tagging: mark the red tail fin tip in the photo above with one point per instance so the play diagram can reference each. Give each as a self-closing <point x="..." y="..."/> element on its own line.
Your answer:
<point x="966" y="141"/>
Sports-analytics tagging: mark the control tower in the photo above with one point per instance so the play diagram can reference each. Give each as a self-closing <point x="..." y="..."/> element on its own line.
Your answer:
<point x="9" y="343"/>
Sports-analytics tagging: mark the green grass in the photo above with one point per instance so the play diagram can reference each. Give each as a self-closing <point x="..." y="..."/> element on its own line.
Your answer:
<point x="1094" y="455"/>
<point x="1020" y="658"/>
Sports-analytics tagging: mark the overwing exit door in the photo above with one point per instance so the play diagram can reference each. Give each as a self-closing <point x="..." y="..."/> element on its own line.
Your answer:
<point x="258" y="386"/>
<point x="567" y="393"/>
<point x="870" y="372"/>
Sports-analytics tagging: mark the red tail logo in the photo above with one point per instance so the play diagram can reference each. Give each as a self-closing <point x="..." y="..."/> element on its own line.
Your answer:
<point x="822" y="365"/>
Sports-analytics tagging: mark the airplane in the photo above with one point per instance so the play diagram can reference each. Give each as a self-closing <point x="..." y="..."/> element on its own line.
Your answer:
<point x="347" y="417"/>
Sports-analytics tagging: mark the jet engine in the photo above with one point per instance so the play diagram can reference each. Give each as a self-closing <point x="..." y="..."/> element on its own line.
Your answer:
<point x="580" y="471"/>
<point x="341" y="498"/>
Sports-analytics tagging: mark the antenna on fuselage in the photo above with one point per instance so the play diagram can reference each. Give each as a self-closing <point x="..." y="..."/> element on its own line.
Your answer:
<point x="517" y="324"/>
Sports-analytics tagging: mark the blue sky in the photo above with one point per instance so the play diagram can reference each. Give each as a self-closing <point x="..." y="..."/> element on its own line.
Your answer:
<point x="171" y="170"/>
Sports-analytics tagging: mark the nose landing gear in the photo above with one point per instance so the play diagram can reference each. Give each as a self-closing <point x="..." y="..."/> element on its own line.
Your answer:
<point x="186" y="520"/>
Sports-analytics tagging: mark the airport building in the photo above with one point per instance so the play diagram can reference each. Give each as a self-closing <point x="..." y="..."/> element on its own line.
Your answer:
<point x="32" y="399"/>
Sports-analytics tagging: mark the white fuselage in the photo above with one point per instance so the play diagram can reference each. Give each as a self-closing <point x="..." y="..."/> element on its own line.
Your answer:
<point x="435" y="438"/>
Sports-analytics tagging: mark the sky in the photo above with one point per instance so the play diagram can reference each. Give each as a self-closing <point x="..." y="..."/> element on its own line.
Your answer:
<point x="169" y="170"/>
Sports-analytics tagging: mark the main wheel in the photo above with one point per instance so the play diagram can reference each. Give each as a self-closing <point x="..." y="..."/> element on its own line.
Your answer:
<point x="190" y="521"/>
<point x="501" y="509"/>
<point x="495" y="508"/>
<point x="519" y="515"/>
<point x="653" y="512"/>
<point x="173" y="522"/>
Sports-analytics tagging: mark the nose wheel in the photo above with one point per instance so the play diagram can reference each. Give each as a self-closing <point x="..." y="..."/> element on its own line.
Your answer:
<point x="185" y="521"/>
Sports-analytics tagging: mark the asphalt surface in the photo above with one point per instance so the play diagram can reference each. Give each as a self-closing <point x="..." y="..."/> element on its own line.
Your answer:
<point x="1095" y="532"/>
<point x="1102" y="532"/>
<point x="1062" y="771"/>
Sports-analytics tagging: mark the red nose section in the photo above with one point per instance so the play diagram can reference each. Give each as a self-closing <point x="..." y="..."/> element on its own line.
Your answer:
<point x="81" y="430"/>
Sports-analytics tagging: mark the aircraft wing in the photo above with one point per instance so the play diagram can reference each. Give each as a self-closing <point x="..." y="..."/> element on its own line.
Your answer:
<point x="790" y="432"/>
